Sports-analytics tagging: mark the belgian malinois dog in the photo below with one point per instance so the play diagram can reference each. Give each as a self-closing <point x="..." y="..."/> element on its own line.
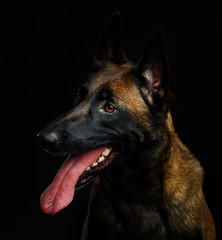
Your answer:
<point x="147" y="184"/>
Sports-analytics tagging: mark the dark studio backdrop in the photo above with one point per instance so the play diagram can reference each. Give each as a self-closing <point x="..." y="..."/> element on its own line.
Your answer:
<point x="46" y="52"/>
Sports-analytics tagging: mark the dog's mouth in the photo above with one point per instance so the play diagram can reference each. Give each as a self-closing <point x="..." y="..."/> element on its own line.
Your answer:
<point x="103" y="161"/>
<point x="78" y="170"/>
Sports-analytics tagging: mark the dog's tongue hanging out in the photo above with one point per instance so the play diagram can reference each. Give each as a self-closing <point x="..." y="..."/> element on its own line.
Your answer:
<point x="61" y="191"/>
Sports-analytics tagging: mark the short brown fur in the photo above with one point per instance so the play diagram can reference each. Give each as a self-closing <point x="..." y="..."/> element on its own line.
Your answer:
<point x="150" y="186"/>
<point x="182" y="172"/>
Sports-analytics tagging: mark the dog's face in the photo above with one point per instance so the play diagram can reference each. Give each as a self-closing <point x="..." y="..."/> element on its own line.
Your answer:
<point x="109" y="109"/>
<point x="119" y="109"/>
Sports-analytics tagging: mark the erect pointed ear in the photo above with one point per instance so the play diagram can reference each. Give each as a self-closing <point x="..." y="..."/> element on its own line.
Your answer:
<point x="110" y="43"/>
<point x="154" y="71"/>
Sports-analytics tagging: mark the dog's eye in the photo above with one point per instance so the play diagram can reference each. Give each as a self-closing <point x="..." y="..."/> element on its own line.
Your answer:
<point x="109" y="108"/>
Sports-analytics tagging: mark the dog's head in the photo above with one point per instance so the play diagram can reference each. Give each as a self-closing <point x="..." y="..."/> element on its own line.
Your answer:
<point x="119" y="109"/>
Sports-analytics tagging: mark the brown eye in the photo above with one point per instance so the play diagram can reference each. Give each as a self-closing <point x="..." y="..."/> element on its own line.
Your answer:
<point x="109" y="108"/>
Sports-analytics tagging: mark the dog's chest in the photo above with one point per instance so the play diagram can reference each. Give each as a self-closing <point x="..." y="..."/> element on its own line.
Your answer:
<point x="142" y="220"/>
<point x="123" y="220"/>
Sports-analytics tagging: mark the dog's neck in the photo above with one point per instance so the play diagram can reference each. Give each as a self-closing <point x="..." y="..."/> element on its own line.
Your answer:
<point x="156" y="189"/>
<point x="140" y="176"/>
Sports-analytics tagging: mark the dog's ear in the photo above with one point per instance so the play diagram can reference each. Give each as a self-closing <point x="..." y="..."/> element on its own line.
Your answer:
<point x="110" y="43"/>
<point x="154" y="71"/>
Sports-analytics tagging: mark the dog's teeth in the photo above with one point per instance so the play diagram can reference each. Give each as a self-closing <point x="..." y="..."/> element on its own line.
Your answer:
<point x="107" y="151"/>
<point x="94" y="164"/>
<point x="102" y="158"/>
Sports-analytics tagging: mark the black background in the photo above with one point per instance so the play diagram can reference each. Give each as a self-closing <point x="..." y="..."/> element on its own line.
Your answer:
<point x="46" y="52"/>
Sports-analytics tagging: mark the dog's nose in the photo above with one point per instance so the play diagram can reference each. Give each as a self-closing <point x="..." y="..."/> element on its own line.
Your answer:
<point x="48" y="140"/>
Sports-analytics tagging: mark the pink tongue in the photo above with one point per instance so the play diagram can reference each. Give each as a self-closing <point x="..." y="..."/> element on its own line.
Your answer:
<point x="61" y="191"/>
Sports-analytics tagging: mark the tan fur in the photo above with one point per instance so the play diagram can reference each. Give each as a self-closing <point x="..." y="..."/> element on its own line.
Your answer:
<point x="128" y="96"/>
<point x="110" y="73"/>
<point x="120" y="80"/>
<point x="182" y="172"/>
<point x="183" y="179"/>
<point x="208" y="224"/>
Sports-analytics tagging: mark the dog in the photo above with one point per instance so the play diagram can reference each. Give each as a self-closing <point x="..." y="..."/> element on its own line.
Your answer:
<point x="120" y="134"/>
